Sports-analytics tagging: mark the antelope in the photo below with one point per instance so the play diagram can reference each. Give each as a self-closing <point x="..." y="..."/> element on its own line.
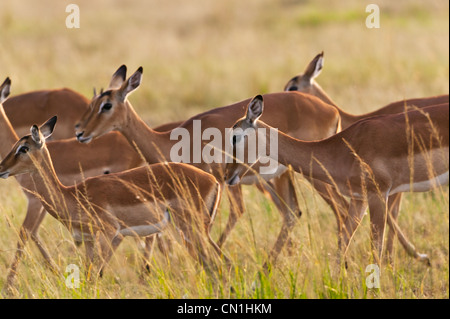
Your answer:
<point x="102" y="210"/>
<point x="111" y="110"/>
<point x="112" y="153"/>
<point x="306" y="83"/>
<point x="37" y="106"/>
<point x="371" y="160"/>
<point x="25" y="109"/>
<point x="73" y="161"/>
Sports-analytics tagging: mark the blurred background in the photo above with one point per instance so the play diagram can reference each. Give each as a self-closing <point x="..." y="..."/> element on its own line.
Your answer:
<point x="202" y="54"/>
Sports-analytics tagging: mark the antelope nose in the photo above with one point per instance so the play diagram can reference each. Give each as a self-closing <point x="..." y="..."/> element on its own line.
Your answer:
<point x="79" y="135"/>
<point x="232" y="179"/>
<point x="3" y="173"/>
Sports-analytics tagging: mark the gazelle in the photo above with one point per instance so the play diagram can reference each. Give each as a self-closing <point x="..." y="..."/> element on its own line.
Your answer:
<point x="372" y="160"/>
<point x="111" y="110"/>
<point x="306" y="83"/>
<point x="73" y="161"/>
<point x="138" y="202"/>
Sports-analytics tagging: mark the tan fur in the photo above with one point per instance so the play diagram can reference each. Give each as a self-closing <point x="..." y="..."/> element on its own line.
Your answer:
<point x="36" y="107"/>
<point x="301" y="115"/>
<point x="306" y="83"/>
<point x="112" y="153"/>
<point x="100" y="207"/>
<point x="371" y="160"/>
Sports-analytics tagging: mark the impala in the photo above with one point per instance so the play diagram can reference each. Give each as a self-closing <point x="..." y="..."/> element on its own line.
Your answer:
<point x="371" y="160"/>
<point x="73" y="161"/>
<point x="111" y="110"/>
<point x="112" y="153"/>
<point x="103" y="210"/>
<point x="25" y="109"/>
<point x="306" y="83"/>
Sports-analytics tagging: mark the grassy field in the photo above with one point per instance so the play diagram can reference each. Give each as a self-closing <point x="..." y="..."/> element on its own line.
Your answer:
<point x="202" y="54"/>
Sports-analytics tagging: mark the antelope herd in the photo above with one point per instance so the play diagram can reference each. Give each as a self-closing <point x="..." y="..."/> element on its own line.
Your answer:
<point x="104" y="174"/>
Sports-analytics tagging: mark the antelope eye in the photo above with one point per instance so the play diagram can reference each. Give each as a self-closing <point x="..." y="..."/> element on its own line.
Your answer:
<point x="106" y="107"/>
<point x="22" y="149"/>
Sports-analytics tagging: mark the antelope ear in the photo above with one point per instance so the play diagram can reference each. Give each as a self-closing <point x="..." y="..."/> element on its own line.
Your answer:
<point x="34" y="130"/>
<point x="48" y="127"/>
<point x="118" y="77"/>
<point x="131" y="84"/>
<point x="314" y="68"/>
<point x="5" y="89"/>
<point x="255" y="108"/>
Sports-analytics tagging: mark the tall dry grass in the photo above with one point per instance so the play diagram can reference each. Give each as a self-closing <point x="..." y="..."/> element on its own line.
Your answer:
<point x="202" y="54"/>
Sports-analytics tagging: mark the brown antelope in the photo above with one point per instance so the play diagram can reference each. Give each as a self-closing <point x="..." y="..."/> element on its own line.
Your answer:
<point x="73" y="161"/>
<point x="138" y="202"/>
<point x="372" y="160"/>
<point x="111" y="110"/>
<point x="109" y="154"/>
<point x="25" y="109"/>
<point x="306" y="83"/>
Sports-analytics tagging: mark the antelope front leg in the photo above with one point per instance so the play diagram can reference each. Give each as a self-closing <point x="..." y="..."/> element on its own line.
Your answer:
<point x="217" y="249"/>
<point x="90" y="254"/>
<point x="164" y="245"/>
<point x="149" y="244"/>
<point x="378" y="217"/>
<point x="338" y="204"/>
<point x="38" y="242"/>
<point x="236" y="211"/>
<point x="394" y="209"/>
<point x="33" y="219"/>
<point x="98" y="252"/>
<point x="282" y="192"/>
<point x="107" y="244"/>
<point x="355" y="215"/>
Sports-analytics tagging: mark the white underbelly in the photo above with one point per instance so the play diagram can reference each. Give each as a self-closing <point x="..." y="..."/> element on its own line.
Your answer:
<point x="423" y="186"/>
<point x="253" y="179"/>
<point x="79" y="236"/>
<point x="146" y="230"/>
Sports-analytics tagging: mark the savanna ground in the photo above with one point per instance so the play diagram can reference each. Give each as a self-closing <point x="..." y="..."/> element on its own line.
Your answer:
<point x="202" y="54"/>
